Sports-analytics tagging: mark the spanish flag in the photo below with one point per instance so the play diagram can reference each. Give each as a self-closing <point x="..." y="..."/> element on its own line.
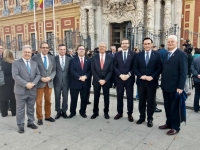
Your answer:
<point x="41" y="4"/>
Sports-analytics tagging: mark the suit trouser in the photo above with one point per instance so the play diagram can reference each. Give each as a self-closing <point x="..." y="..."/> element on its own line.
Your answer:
<point x="47" y="102"/>
<point x="74" y="98"/>
<point x="22" y="101"/>
<point x="172" y="106"/>
<point x="106" y="92"/>
<point x="196" y="96"/>
<point x="58" y="90"/>
<point x="147" y="98"/>
<point x="120" y="95"/>
<point x="4" y="107"/>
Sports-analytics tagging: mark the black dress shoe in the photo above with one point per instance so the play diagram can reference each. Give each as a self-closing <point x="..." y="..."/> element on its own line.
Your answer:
<point x="50" y="119"/>
<point x="58" y="115"/>
<point x="64" y="114"/>
<point x="157" y="110"/>
<point x="21" y="129"/>
<point x="106" y="116"/>
<point x="94" y="116"/>
<point x="32" y="126"/>
<point x="140" y="121"/>
<point x="88" y="103"/>
<point x="150" y="123"/>
<point x="165" y="126"/>
<point x="84" y="115"/>
<point x="40" y="122"/>
<point x="118" y="116"/>
<point x="71" y="116"/>
<point x="130" y="118"/>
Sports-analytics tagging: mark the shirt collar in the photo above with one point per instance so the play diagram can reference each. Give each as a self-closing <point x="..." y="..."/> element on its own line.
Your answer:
<point x="61" y="56"/>
<point x="148" y="51"/>
<point x="26" y="60"/>
<point x="173" y="50"/>
<point x="43" y="55"/>
<point x="124" y="51"/>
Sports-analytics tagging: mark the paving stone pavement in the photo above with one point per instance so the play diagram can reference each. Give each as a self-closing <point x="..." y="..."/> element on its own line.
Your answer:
<point x="100" y="134"/>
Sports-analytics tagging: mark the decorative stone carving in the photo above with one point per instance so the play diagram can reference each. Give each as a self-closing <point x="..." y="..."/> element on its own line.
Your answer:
<point x="150" y="15"/>
<point x="167" y="15"/>
<point x="91" y="26"/>
<point x="140" y="11"/>
<point x="83" y="22"/>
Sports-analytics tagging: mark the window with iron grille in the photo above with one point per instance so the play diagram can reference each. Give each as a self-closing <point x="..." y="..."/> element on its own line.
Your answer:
<point x="8" y="46"/>
<point x="19" y="42"/>
<point x="33" y="41"/>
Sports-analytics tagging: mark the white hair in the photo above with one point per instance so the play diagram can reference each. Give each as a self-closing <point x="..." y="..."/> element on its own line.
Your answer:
<point x="26" y="46"/>
<point x="113" y="47"/>
<point x="173" y="37"/>
<point x="103" y="43"/>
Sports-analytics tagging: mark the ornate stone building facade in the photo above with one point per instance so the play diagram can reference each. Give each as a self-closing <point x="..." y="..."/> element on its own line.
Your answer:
<point x="105" y="20"/>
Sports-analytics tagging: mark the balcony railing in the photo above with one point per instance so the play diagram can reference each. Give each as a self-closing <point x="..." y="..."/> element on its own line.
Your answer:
<point x="6" y="12"/>
<point x="65" y="1"/>
<point x="48" y="3"/>
<point x="18" y="10"/>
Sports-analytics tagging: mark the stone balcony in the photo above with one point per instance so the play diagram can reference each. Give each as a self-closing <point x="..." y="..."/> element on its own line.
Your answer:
<point x="65" y="1"/>
<point x="5" y="12"/>
<point x="17" y="10"/>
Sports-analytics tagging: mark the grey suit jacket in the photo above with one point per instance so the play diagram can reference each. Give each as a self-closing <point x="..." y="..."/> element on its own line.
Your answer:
<point x="50" y="72"/>
<point x="195" y="69"/>
<point x="22" y="77"/>
<point x="62" y="76"/>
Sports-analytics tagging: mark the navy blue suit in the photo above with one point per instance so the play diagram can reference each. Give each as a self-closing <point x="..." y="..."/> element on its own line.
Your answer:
<point x="147" y="89"/>
<point x="124" y="68"/>
<point x="113" y="75"/>
<point x="173" y="77"/>
<point x="77" y="85"/>
<point x="101" y="74"/>
<point x="162" y="52"/>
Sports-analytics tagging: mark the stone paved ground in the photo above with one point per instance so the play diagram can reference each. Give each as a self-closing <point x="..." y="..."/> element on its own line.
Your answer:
<point x="101" y="134"/>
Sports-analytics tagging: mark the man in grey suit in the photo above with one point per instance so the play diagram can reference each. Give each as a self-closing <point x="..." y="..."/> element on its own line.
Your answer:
<point x="61" y="81"/>
<point x="26" y="74"/>
<point x="47" y="67"/>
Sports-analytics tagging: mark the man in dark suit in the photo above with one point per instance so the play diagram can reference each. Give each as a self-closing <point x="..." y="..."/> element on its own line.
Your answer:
<point x="80" y="81"/>
<point x="147" y="67"/>
<point x="162" y="51"/>
<point x="26" y="74"/>
<point x="102" y="69"/>
<point x="61" y="82"/>
<point x="112" y="53"/>
<point x="124" y="78"/>
<point x="70" y="53"/>
<point x="47" y="67"/>
<point x="173" y="80"/>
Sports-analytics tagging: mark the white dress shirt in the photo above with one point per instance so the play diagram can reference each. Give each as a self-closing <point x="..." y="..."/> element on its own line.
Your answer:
<point x="145" y="54"/>
<point x="42" y="56"/>
<point x="104" y="56"/>
<point x="25" y="61"/>
<point x="123" y="54"/>
<point x="172" y="52"/>
<point x="62" y="59"/>
<point x="83" y="58"/>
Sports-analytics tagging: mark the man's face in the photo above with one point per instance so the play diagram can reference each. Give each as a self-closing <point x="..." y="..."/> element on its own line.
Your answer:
<point x="62" y="50"/>
<point x="171" y="44"/>
<point x="125" y="44"/>
<point x="71" y="52"/>
<point x="26" y="53"/>
<point x="44" y="49"/>
<point x="81" y="51"/>
<point x="102" y="48"/>
<point x="1" y="49"/>
<point x="147" y="45"/>
<point x="113" y="49"/>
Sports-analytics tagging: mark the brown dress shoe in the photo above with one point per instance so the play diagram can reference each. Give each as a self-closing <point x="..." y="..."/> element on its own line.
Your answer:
<point x="130" y="118"/>
<point x="164" y="127"/>
<point x="172" y="132"/>
<point x="118" y="116"/>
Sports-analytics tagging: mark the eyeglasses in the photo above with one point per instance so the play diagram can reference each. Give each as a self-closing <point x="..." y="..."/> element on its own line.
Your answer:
<point x="124" y="43"/>
<point x="45" y="48"/>
<point x="81" y="49"/>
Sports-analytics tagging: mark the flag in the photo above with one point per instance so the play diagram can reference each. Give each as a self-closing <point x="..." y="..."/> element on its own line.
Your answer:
<point x="31" y="4"/>
<point x="41" y="4"/>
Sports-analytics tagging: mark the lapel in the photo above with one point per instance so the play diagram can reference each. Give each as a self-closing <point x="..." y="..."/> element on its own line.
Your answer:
<point x="151" y="57"/>
<point x="143" y="57"/>
<point x="50" y="63"/>
<point x="105" y="61"/>
<point x="128" y="57"/>
<point x="121" y="57"/>
<point x="41" y="62"/>
<point x="98" y="61"/>
<point x="58" y="62"/>
<point x="85" y="63"/>
<point x="78" y="62"/>
<point x="172" y="56"/>
<point x="24" y="65"/>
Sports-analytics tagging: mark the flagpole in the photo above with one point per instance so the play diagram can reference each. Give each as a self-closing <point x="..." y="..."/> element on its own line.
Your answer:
<point x="54" y="28"/>
<point x="45" y="37"/>
<point x="35" y="27"/>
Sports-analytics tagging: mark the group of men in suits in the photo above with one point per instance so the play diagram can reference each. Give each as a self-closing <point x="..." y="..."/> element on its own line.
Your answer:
<point x="35" y="78"/>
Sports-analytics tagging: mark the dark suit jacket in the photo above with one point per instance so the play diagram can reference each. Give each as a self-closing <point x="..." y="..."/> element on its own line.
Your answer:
<point x="62" y="76"/>
<point x="174" y="71"/>
<point x="70" y="56"/>
<point x="153" y="68"/>
<point x="162" y="52"/>
<point x="195" y="69"/>
<point x="121" y="68"/>
<point x="76" y="71"/>
<point x="104" y="74"/>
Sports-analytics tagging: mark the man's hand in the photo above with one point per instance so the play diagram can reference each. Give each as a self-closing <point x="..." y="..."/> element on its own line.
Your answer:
<point x="82" y="78"/>
<point x="122" y="76"/>
<point x="143" y="77"/>
<point x="48" y="79"/>
<point x="198" y="76"/>
<point x="29" y="85"/>
<point x="44" y="79"/>
<point x="102" y="82"/>
<point x="179" y="91"/>
<point x="126" y="76"/>
<point x="149" y="78"/>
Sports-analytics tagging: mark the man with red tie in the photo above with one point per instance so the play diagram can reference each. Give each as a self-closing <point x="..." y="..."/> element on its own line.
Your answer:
<point x="80" y="81"/>
<point x="102" y="69"/>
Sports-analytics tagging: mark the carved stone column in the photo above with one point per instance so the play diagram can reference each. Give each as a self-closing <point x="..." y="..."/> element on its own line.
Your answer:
<point x="140" y="11"/>
<point x="157" y="23"/>
<point x="150" y="15"/>
<point x="167" y="15"/>
<point x="84" y="22"/>
<point x="91" y="26"/>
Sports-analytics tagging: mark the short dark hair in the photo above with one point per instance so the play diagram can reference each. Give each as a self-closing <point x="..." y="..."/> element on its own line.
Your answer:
<point x="43" y="43"/>
<point x="61" y="45"/>
<point x="147" y="38"/>
<point x="162" y="45"/>
<point x="78" y="47"/>
<point x="124" y="39"/>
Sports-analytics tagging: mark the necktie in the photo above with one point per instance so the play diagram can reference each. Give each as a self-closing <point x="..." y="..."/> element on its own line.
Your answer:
<point x="169" y="54"/>
<point x="28" y="67"/>
<point x="124" y="57"/>
<point x="63" y="64"/>
<point x="45" y="62"/>
<point x="82" y="64"/>
<point x="147" y="58"/>
<point x="102" y="62"/>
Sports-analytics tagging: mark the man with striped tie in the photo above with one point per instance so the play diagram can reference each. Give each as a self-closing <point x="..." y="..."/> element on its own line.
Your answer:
<point x="61" y="82"/>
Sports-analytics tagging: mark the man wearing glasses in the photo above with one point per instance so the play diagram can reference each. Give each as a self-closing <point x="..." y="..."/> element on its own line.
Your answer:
<point x="124" y="78"/>
<point x="47" y="67"/>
